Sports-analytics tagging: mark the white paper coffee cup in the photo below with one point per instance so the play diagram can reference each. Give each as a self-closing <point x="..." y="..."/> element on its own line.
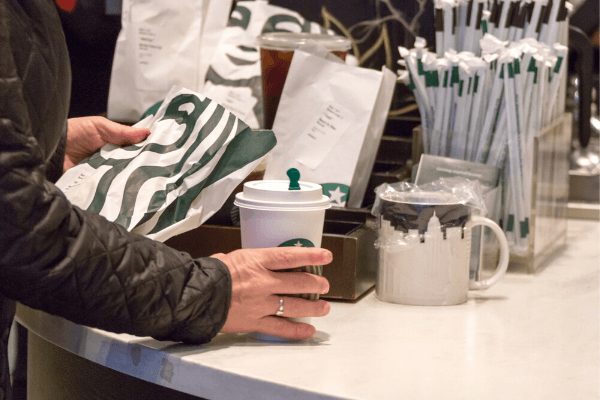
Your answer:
<point x="271" y="215"/>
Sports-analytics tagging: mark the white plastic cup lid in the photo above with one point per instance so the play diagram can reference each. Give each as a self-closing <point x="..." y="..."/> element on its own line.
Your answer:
<point x="289" y="41"/>
<point x="275" y="195"/>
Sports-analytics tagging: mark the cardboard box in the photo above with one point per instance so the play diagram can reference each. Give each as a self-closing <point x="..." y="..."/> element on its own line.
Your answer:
<point x="348" y="234"/>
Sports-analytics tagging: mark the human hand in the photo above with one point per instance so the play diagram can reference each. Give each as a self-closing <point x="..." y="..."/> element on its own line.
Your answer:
<point x="257" y="288"/>
<point x="88" y="134"/>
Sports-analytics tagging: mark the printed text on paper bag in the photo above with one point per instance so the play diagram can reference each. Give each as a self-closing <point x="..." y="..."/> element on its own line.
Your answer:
<point x="321" y="135"/>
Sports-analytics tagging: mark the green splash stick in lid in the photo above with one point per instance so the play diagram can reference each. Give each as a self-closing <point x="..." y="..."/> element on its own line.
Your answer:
<point x="294" y="176"/>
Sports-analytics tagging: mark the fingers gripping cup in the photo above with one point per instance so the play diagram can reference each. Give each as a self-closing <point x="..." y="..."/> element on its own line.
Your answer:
<point x="424" y="249"/>
<point x="276" y="52"/>
<point x="280" y="213"/>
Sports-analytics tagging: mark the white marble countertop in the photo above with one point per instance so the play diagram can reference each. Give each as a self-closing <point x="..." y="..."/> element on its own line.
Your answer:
<point x="528" y="337"/>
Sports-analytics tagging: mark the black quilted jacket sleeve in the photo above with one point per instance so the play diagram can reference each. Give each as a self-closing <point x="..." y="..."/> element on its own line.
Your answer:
<point x="58" y="258"/>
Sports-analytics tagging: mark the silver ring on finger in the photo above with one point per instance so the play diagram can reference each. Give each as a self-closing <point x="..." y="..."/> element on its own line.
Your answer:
<point x="279" y="312"/>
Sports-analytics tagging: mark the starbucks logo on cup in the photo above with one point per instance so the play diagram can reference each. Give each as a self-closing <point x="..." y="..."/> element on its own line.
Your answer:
<point x="311" y="269"/>
<point x="299" y="242"/>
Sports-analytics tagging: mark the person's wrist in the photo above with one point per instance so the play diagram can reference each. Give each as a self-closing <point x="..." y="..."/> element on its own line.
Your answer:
<point x="223" y="290"/>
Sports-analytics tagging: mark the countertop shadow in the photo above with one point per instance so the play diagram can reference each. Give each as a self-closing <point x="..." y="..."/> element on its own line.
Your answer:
<point x="225" y="340"/>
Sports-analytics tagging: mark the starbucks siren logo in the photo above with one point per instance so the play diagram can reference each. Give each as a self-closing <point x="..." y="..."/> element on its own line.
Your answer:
<point x="299" y="242"/>
<point x="311" y="269"/>
<point x="337" y="193"/>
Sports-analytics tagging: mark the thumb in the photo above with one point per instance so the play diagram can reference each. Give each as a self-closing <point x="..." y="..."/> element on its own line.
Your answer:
<point x="122" y="135"/>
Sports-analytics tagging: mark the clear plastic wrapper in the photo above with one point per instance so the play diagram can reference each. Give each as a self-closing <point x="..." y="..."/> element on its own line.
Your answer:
<point x="424" y="241"/>
<point x="405" y="209"/>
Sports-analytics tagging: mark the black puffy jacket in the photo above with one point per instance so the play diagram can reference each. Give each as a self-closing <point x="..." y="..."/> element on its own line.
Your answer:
<point x="56" y="257"/>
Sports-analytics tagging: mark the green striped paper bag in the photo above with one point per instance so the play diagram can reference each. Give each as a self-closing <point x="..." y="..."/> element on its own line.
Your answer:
<point x="172" y="182"/>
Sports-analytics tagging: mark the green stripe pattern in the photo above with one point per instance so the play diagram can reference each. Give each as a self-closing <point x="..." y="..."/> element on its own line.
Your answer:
<point x="195" y="156"/>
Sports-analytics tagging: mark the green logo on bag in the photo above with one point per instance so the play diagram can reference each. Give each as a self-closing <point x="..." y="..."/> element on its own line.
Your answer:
<point x="240" y="17"/>
<point x="152" y="110"/>
<point x="299" y="242"/>
<point x="337" y="193"/>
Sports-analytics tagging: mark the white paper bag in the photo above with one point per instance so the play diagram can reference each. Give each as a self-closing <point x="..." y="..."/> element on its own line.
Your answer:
<point x="162" y="43"/>
<point x="234" y="75"/>
<point x="329" y="124"/>
<point x="216" y="16"/>
<point x="196" y="155"/>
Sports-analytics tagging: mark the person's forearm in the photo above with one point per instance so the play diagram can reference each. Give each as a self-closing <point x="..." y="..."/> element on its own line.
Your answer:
<point x="72" y="263"/>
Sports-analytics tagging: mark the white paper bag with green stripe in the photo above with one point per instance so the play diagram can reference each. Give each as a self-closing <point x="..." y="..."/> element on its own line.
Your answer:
<point x="172" y="182"/>
<point x="234" y="77"/>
